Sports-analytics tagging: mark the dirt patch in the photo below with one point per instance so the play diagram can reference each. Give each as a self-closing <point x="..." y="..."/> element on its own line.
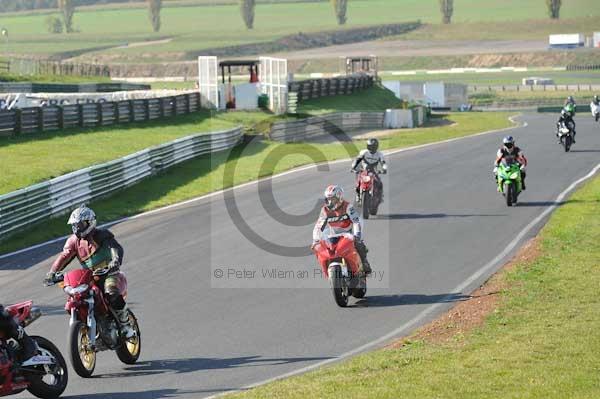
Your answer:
<point x="472" y="312"/>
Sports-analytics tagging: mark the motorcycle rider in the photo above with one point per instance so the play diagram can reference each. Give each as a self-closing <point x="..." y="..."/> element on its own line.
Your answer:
<point x="96" y="248"/>
<point x="9" y="328"/>
<point x="566" y="115"/>
<point x="341" y="217"/>
<point x="510" y="149"/>
<point x="370" y="158"/>
<point x="595" y="108"/>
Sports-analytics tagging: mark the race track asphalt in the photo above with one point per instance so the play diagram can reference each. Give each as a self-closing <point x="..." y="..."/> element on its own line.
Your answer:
<point x="441" y="222"/>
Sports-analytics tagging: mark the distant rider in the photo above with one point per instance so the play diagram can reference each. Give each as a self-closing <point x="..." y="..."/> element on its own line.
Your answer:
<point x="95" y="249"/>
<point x="9" y="328"/>
<point x="566" y="116"/>
<point x="341" y="217"/>
<point x="370" y="159"/>
<point x="509" y="149"/>
<point x="595" y="108"/>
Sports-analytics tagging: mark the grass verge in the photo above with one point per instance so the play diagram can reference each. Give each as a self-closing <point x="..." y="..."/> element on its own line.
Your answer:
<point x="30" y="159"/>
<point x="207" y="173"/>
<point x="541" y="341"/>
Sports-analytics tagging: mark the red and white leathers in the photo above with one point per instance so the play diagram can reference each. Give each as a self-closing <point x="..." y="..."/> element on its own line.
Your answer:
<point x="343" y="219"/>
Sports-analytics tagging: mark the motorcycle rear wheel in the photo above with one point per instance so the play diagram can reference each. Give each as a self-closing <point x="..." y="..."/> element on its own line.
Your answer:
<point x="42" y="389"/>
<point x="129" y="350"/>
<point x="82" y="359"/>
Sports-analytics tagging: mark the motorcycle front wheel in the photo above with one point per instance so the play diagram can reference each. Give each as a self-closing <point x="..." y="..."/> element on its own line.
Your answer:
<point x="508" y="193"/>
<point x="129" y="350"/>
<point x="567" y="142"/>
<point x="366" y="204"/>
<point x="52" y="384"/>
<point x="339" y="288"/>
<point x="83" y="358"/>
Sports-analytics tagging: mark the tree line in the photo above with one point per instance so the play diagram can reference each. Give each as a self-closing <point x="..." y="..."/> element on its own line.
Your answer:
<point x="247" y="7"/>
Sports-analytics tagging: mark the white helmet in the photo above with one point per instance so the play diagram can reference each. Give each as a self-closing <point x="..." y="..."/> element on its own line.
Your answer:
<point x="82" y="221"/>
<point x="334" y="196"/>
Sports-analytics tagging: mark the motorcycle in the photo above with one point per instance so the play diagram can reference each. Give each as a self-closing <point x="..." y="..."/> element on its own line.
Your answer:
<point x="340" y="264"/>
<point x="595" y="111"/>
<point x="369" y="193"/>
<point x="47" y="377"/>
<point x="509" y="180"/>
<point x="93" y="326"/>
<point x="565" y="134"/>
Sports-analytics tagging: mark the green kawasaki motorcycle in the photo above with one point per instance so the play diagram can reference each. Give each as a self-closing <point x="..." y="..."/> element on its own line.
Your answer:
<point x="509" y="180"/>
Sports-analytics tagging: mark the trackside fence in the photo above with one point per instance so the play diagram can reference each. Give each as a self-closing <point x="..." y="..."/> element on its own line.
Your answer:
<point x="23" y="207"/>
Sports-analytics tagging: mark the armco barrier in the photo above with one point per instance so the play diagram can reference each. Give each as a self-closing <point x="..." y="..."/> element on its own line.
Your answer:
<point x="59" y="195"/>
<point x="557" y="109"/>
<point x="302" y="129"/>
<point x="315" y="88"/>
<point x="39" y="119"/>
<point x="16" y="87"/>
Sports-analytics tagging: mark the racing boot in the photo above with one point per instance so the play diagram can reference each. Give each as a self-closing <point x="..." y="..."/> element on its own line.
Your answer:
<point x="29" y="347"/>
<point x="362" y="250"/>
<point x="124" y="323"/>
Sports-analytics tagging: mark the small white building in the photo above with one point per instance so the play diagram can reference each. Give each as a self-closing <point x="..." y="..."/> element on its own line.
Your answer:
<point x="435" y="94"/>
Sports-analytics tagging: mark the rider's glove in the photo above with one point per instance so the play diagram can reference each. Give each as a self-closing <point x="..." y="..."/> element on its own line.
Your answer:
<point x="358" y="236"/>
<point x="49" y="279"/>
<point x="314" y="244"/>
<point x="352" y="170"/>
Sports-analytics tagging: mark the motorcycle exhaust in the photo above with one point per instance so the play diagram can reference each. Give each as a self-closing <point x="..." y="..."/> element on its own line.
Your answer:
<point x="34" y="314"/>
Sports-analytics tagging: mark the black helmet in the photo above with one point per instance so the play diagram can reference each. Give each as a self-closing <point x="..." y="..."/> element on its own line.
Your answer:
<point x="372" y="145"/>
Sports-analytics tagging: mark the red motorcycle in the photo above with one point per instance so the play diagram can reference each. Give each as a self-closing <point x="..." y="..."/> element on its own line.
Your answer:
<point x="46" y="377"/>
<point x="93" y="326"/>
<point x="340" y="264"/>
<point x="369" y="192"/>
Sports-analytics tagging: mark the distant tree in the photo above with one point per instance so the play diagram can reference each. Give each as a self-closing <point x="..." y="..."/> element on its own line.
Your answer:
<point x="447" y="9"/>
<point x="340" y="7"/>
<point x="53" y="24"/>
<point x="554" y="8"/>
<point x="67" y="8"/>
<point x="247" y="10"/>
<point x="154" y="7"/>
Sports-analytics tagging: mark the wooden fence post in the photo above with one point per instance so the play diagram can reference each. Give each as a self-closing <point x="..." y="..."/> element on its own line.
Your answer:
<point x="40" y="119"/>
<point x="18" y="121"/>
<point x="187" y="104"/>
<point x="131" y="111"/>
<point x="116" y="112"/>
<point x="174" y="106"/>
<point x="161" y="107"/>
<point x="99" y="116"/>
<point x="146" y="109"/>
<point x="80" y="114"/>
<point x="60" y="117"/>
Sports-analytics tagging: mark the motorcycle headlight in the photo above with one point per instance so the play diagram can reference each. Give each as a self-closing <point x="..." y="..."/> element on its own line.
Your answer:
<point x="76" y="290"/>
<point x="366" y="179"/>
<point x="514" y="175"/>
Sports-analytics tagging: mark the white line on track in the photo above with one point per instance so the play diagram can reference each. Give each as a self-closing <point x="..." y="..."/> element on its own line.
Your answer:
<point x="296" y="170"/>
<point x="415" y="321"/>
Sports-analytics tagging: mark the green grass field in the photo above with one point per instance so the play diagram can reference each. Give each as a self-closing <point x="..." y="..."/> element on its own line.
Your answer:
<point x="205" y="174"/>
<point x="502" y="78"/>
<point x="30" y="159"/>
<point x="196" y="28"/>
<point x="543" y="341"/>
